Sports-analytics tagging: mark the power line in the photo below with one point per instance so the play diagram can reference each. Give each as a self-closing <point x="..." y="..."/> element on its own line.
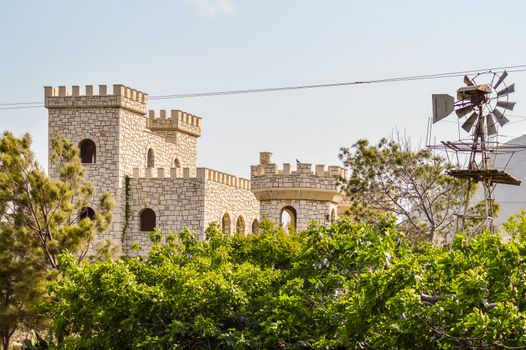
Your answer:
<point x="511" y="69"/>
<point x="364" y="82"/>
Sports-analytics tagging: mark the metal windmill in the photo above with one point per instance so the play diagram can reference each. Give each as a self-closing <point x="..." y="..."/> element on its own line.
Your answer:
<point x="481" y="106"/>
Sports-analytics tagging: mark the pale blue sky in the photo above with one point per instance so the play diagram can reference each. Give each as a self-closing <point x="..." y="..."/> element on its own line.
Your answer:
<point x="170" y="47"/>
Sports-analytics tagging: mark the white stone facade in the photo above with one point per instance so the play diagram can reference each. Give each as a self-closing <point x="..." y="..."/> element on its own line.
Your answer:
<point x="157" y="156"/>
<point x="308" y="195"/>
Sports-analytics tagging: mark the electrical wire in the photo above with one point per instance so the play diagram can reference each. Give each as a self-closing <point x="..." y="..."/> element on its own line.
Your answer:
<point x="510" y="69"/>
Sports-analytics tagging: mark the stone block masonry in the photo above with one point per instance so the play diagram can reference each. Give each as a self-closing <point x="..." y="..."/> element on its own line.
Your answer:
<point x="180" y="200"/>
<point x="158" y="153"/>
<point x="305" y="195"/>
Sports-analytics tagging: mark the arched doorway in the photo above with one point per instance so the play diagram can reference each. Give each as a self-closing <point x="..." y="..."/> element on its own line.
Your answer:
<point x="288" y="218"/>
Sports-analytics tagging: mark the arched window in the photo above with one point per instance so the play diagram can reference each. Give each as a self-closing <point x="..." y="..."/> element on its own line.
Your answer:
<point x="288" y="218"/>
<point x="225" y="223"/>
<point x="88" y="151"/>
<point x="147" y="219"/>
<point x="87" y="212"/>
<point x="255" y="226"/>
<point x="177" y="163"/>
<point x="150" y="162"/>
<point x="333" y="216"/>
<point x="240" y="225"/>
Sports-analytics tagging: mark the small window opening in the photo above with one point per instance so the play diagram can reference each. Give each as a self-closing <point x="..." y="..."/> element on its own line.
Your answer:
<point x="255" y="226"/>
<point x="333" y="216"/>
<point x="240" y="225"/>
<point x="225" y="223"/>
<point x="147" y="220"/>
<point x="150" y="163"/>
<point x="88" y="151"/>
<point x="87" y="212"/>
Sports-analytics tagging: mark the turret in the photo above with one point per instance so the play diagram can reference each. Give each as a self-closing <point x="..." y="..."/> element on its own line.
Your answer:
<point x="122" y="97"/>
<point x="176" y="121"/>
<point x="301" y="194"/>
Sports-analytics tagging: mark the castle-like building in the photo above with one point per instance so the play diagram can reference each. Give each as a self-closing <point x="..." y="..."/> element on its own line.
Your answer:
<point x="148" y="162"/>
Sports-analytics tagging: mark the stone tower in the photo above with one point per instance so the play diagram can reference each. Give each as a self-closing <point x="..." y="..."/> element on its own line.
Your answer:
<point x="296" y="197"/>
<point x="115" y="135"/>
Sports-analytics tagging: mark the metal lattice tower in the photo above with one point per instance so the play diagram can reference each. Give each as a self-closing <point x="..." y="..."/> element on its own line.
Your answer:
<point x="483" y="106"/>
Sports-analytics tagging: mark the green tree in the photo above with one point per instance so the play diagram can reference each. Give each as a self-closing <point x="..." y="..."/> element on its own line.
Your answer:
<point x="414" y="186"/>
<point x="21" y="276"/>
<point x="50" y="210"/>
<point x="346" y="286"/>
<point x="40" y="219"/>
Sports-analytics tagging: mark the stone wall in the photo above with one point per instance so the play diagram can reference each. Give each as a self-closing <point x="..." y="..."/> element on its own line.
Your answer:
<point x="177" y="203"/>
<point x="180" y="200"/>
<point x="118" y="125"/>
<point x="180" y="194"/>
<point x="96" y="117"/>
<point x="306" y="211"/>
<point x="270" y="176"/>
<point x="314" y="195"/>
<point x="229" y="194"/>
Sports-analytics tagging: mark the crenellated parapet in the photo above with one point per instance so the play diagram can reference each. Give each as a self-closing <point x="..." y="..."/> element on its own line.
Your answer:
<point x="224" y="178"/>
<point x="269" y="182"/>
<point x="204" y="174"/>
<point x="175" y="121"/>
<point x="302" y="170"/>
<point x="121" y="97"/>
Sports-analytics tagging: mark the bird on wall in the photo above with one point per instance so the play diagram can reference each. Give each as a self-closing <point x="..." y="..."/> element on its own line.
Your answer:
<point x="297" y="161"/>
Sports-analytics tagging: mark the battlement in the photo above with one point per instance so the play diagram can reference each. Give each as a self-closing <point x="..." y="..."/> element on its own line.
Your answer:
<point x="267" y="168"/>
<point x="176" y="121"/>
<point x="184" y="173"/>
<point x="302" y="169"/>
<point x="271" y="183"/>
<point x="121" y="97"/>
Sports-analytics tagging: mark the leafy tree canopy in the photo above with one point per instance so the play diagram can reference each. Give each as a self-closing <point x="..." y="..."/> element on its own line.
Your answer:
<point x="346" y="286"/>
<point x="390" y="177"/>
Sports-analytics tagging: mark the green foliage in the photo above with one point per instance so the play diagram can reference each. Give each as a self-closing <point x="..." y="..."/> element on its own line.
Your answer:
<point x="22" y="272"/>
<point x="127" y="190"/>
<point x="40" y="219"/>
<point x="345" y="286"/>
<point x="49" y="209"/>
<point x="516" y="226"/>
<point x="391" y="178"/>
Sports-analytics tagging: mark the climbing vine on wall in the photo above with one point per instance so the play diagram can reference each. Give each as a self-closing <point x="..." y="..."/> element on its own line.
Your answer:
<point x="126" y="208"/>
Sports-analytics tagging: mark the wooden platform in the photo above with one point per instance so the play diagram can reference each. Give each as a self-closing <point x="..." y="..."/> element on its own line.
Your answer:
<point x="493" y="175"/>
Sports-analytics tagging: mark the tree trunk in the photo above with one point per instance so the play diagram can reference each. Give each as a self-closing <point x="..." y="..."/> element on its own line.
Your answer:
<point x="5" y="341"/>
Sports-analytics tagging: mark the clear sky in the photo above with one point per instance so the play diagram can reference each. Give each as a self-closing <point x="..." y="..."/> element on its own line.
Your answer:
<point x="171" y="47"/>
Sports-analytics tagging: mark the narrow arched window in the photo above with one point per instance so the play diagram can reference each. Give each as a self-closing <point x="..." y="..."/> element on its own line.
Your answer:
<point x="240" y="225"/>
<point x="225" y="223"/>
<point x="86" y="212"/>
<point x="147" y="220"/>
<point x="150" y="161"/>
<point x="333" y="216"/>
<point x="88" y="151"/>
<point x="177" y="163"/>
<point x="255" y="226"/>
<point x="288" y="218"/>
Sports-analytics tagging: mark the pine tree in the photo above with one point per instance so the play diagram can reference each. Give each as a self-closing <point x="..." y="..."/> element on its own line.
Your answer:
<point x="40" y="218"/>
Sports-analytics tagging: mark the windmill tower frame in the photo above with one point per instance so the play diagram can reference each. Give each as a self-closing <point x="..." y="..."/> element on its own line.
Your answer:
<point x="486" y="105"/>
